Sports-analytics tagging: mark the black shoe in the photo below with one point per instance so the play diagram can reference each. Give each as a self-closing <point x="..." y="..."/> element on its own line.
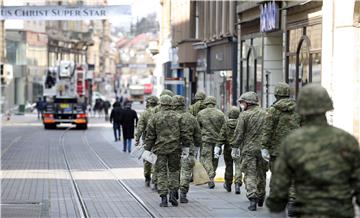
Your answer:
<point x="154" y="188"/>
<point x="172" y="199"/>
<point x="227" y="187"/>
<point x="176" y="195"/>
<point x="291" y="209"/>
<point x="211" y="184"/>
<point x="147" y="181"/>
<point x="260" y="202"/>
<point x="237" y="188"/>
<point x="253" y="204"/>
<point x="164" y="201"/>
<point x="183" y="198"/>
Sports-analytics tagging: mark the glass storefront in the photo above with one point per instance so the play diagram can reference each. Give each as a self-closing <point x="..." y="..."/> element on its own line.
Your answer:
<point x="303" y="56"/>
<point x="250" y="65"/>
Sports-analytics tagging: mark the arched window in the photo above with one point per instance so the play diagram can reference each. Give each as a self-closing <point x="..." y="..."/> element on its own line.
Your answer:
<point x="251" y="64"/>
<point x="303" y="63"/>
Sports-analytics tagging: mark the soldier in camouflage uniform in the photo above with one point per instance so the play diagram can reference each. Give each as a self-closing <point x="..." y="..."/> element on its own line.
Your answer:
<point x="246" y="141"/>
<point x="199" y="103"/>
<point x="210" y="120"/>
<point x="226" y="134"/>
<point x="281" y="119"/>
<point x="164" y="132"/>
<point x="151" y="103"/>
<point x="323" y="161"/>
<point x="157" y="109"/>
<point x="193" y="131"/>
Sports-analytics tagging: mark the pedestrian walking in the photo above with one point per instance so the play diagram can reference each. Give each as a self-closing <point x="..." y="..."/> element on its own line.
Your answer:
<point x="106" y="106"/>
<point x="116" y="117"/>
<point x="151" y="103"/>
<point x="210" y="120"/>
<point x="281" y="119"/>
<point x="198" y="105"/>
<point x="158" y="109"/>
<point x="323" y="161"/>
<point x="246" y="142"/>
<point x="129" y="122"/>
<point x="164" y="132"/>
<point x="194" y="133"/>
<point x="226" y="134"/>
<point x="40" y="107"/>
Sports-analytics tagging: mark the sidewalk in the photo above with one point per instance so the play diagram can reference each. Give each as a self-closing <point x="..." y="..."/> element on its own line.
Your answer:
<point x="203" y="202"/>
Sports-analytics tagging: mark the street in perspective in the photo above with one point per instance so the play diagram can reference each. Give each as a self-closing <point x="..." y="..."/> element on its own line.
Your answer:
<point x="180" y="108"/>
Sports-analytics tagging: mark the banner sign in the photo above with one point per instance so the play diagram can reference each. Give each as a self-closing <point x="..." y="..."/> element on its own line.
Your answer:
<point x="63" y="12"/>
<point x="269" y="17"/>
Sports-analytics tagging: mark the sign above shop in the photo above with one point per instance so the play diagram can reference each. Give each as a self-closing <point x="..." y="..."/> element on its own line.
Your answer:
<point x="63" y="12"/>
<point x="269" y="17"/>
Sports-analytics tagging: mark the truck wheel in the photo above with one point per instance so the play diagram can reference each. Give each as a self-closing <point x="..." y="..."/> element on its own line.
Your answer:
<point x="50" y="126"/>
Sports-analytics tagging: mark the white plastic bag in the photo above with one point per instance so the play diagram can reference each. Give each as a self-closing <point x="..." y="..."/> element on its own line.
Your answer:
<point x="149" y="157"/>
<point x="138" y="151"/>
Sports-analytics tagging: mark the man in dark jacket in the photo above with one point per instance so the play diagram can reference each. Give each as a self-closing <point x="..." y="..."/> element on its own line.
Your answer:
<point x="115" y="119"/>
<point x="129" y="118"/>
<point x="107" y="106"/>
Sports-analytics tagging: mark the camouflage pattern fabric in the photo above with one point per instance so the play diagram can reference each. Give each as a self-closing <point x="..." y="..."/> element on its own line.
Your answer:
<point x="281" y="119"/>
<point x="254" y="168"/>
<point x="227" y="133"/>
<point x="195" y="108"/>
<point x="211" y="121"/>
<point x="207" y="159"/>
<point x="324" y="163"/>
<point x="168" y="172"/>
<point x="247" y="137"/>
<point x="186" y="173"/>
<point x="141" y="133"/>
<point x="192" y="130"/>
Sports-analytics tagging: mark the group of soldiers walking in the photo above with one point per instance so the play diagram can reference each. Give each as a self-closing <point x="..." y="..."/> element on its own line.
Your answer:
<point x="315" y="167"/>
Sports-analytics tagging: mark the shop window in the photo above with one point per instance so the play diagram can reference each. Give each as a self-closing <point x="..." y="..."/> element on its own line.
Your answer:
<point x="303" y="57"/>
<point x="250" y="66"/>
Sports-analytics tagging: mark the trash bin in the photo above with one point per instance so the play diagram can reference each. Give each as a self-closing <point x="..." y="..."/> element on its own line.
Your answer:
<point x="21" y="110"/>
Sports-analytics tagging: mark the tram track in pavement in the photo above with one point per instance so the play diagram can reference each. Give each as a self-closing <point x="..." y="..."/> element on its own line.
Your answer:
<point x="81" y="205"/>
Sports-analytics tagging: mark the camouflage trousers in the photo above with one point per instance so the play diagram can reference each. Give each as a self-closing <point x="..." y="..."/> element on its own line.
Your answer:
<point x="254" y="168"/>
<point x="238" y="172"/>
<point x="229" y="165"/>
<point x="147" y="169"/>
<point x="186" y="173"/>
<point x="167" y="168"/>
<point x="207" y="159"/>
<point x="154" y="175"/>
<point x="292" y="187"/>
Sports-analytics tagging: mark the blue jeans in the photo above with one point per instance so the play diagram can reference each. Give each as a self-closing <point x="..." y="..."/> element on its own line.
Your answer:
<point x="117" y="130"/>
<point x="127" y="143"/>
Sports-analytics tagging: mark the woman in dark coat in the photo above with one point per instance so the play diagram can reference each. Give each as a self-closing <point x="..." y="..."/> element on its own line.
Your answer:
<point x="129" y="122"/>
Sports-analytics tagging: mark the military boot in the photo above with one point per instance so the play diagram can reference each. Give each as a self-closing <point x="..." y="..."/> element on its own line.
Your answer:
<point x="260" y="202"/>
<point x="211" y="184"/>
<point x="164" y="201"/>
<point x="291" y="208"/>
<point x="227" y="187"/>
<point x="253" y="204"/>
<point x="237" y="188"/>
<point x="172" y="198"/>
<point x="147" y="181"/>
<point x="183" y="198"/>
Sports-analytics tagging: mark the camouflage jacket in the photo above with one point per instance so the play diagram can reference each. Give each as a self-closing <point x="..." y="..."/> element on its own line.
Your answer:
<point x="227" y="131"/>
<point x="280" y="120"/>
<point x="143" y="121"/>
<point x="211" y="120"/>
<point x="324" y="164"/>
<point x="249" y="130"/>
<point x="195" y="108"/>
<point x="192" y="129"/>
<point x="164" y="131"/>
